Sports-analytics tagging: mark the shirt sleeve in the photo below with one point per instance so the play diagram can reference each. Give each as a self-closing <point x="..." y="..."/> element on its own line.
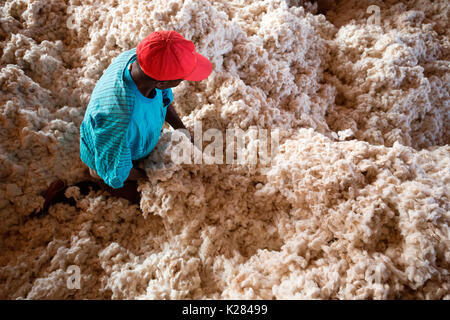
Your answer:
<point x="167" y="97"/>
<point x="112" y="153"/>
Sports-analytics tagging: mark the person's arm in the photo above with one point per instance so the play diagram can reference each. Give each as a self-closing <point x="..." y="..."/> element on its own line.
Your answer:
<point x="173" y="119"/>
<point x="112" y="154"/>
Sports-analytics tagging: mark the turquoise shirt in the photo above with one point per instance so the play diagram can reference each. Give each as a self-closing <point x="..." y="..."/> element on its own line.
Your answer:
<point x="120" y="124"/>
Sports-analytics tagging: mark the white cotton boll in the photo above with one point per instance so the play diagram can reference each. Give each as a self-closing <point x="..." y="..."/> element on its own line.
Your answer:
<point x="344" y="134"/>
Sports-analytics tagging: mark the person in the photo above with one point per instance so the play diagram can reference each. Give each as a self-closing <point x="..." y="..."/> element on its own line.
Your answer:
<point x="127" y="109"/>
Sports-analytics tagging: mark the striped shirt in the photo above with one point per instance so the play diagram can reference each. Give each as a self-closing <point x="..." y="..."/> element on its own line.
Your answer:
<point x="120" y="124"/>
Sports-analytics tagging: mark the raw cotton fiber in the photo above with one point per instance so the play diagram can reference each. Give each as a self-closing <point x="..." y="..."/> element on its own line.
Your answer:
<point x="354" y="205"/>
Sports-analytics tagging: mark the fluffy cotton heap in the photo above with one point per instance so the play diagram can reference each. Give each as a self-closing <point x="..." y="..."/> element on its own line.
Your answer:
<point x="354" y="205"/>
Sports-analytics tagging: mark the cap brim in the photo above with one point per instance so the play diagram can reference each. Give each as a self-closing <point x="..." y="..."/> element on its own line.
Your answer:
<point x="202" y="70"/>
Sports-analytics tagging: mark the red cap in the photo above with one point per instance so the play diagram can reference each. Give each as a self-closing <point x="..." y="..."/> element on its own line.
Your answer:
<point x="166" y="55"/>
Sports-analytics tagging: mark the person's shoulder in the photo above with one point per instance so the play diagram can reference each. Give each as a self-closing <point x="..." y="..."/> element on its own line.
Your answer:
<point x="111" y="85"/>
<point x="112" y="91"/>
<point x="112" y="97"/>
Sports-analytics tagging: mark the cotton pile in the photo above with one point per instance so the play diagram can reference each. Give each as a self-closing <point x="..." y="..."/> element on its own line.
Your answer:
<point x="354" y="204"/>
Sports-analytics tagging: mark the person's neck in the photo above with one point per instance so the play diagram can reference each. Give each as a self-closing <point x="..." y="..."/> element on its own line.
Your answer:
<point x="142" y="82"/>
